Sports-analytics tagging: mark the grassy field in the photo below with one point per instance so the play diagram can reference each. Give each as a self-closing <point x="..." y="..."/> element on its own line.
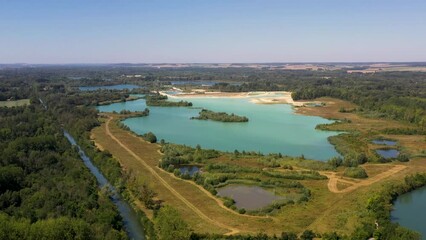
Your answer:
<point x="324" y="212"/>
<point x="363" y="129"/>
<point x="15" y="103"/>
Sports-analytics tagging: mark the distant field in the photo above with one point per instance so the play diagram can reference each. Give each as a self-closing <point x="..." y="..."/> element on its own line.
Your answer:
<point x="15" y="103"/>
<point x="390" y="69"/>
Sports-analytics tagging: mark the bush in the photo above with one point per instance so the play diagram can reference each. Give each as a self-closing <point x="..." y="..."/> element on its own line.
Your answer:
<point x="335" y="162"/>
<point x="403" y="158"/>
<point x="228" y="202"/>
<point x="362" y="158"/>
<point x="177" y="172"/>
<point x="331" y="236"/>
<point x="307" y="235"/>
<point x="150" y="137"/>
<point x="355" y="172"/>
<point x="288" y="236"/>
<point x="186" y="176"/>
<point x="170" y="168"/>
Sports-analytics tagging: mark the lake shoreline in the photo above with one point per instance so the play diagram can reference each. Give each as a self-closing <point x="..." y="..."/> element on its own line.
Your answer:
<point x="258" y="97"/>
<point x="285" y="115"/>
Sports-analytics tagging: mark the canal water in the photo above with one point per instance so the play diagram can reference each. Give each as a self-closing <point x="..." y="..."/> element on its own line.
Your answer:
<point x="131" y="222"/>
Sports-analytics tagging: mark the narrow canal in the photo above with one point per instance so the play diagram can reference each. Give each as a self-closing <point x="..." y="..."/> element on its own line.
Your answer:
<point x="131" y="222"/>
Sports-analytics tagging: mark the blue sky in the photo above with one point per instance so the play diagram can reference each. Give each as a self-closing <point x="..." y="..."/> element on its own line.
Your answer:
<point x="148" y="31"/>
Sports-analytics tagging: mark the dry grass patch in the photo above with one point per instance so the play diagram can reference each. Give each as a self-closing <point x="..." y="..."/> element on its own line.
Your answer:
<point x="374" y="169"/>
<point x="15" y="103"/>
<point x="357" y="122"/>
<point x="412" y="144"/>
<point x="342" y="185"/>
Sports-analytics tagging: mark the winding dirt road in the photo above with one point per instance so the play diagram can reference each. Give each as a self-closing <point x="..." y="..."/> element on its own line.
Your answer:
<point x="333" y="180"/>
<point x="170" y="188"/>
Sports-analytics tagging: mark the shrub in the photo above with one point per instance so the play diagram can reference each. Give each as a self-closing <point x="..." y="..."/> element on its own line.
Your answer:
<point x="335" y="162"/>
<point x="186" y="175"/>
<point x="228" y="202"/>
<point x="307" y="235"/>
<point x="355" y="172"/>
<point x="403" y="158"/>
<point x="170" y="168"/>
<point x="150" y="137"/>
<point x="288" y="236"/>
<point x="177" y="172"/>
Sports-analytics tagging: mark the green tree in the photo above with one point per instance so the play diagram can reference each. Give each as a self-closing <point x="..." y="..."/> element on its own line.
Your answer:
<point x="150" y="137"/>
<point x="331" y="236"/>
<point x="288" y="236"/>
<point x="170" y="225"/>
<point x="307" y="235"/>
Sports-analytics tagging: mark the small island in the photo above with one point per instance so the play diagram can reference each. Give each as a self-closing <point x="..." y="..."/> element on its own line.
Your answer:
<point x="130" y="114"/>
<point x="161" y="101"/>
<point x="219" y="116"/>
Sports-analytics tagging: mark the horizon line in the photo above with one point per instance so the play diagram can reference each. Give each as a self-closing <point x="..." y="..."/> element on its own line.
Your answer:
<point x="158" y="63"/>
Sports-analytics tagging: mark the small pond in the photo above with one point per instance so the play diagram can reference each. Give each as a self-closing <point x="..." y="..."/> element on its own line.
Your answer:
<point x="111" y="87"/>
<point x="248" y="197"/>
<point x="388" y="153"/>
<point x="384" y="142"/>
<point x="190" y="169"/>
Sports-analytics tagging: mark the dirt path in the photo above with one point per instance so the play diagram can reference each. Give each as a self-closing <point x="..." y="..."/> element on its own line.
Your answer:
<point x="170" y="188"/>
<point x="333" y="180"/>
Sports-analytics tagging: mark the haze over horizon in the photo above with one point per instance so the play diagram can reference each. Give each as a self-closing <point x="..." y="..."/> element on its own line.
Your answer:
<point x="62" y="32"/>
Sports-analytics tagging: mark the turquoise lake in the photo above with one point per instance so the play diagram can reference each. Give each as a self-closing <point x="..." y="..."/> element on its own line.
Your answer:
<point x="271" y="128"/>
<point x="409" y="210"/>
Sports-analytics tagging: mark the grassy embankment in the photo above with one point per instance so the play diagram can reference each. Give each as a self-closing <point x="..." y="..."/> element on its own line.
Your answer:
<point x="15" y="103"/>
<point x="326" y="211"/>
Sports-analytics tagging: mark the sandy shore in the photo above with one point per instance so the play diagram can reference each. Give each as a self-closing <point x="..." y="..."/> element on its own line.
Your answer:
<point x="276" y="97"/>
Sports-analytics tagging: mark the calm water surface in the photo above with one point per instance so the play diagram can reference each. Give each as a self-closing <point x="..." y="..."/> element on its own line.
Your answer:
<point x="410" y="211"/>
<point x="248" y="197"/>
<point x="388" y="153"/>
<point x="384" y="142"/>
<point x="271" y="128"/>
<point x="130" y="219"/>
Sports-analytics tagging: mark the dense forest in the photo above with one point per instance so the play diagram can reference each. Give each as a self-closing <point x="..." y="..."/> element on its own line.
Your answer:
<point x="45" y="190"/>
